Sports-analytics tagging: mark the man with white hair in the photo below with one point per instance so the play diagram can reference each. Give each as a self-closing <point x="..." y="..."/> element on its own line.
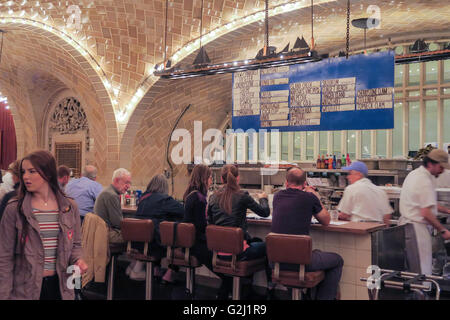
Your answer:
<point x="85" y="190"/>
<point x="108" y="205"/>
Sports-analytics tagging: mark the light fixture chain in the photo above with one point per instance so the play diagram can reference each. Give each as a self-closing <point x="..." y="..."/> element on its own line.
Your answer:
<point x="312" y="24"/>
<point x="1" y="46"/>
<point x="348" y="29"/>
<point x="201" y="25"/>
<point x="267" y="23"/>
<point x="165" y="33"/>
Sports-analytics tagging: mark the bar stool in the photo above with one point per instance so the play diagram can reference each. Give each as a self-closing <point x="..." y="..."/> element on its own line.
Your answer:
<point x="231" y="240"/>
<point x="176" y="237"/>
<point x="137" y="230"/>
<point x="115" y="250"/>
<point x="294" y="249"/>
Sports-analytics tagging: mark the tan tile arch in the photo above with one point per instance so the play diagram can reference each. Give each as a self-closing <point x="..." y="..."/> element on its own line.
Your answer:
<point x="32" y="48"/>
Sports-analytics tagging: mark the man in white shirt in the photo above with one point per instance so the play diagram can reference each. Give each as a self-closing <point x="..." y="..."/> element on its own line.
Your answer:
<point x="418" y="204"/>
<point x="362" y="199"/>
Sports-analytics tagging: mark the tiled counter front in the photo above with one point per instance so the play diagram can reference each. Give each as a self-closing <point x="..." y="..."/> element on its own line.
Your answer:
<point x="351" y="241"/>
<point x="356" y="250"/>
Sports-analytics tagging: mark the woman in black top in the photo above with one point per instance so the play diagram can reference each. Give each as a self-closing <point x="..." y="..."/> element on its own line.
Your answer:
<point x="157" y="205"/>
<point x="195" y="211"/>
<point x="228" y="207"/>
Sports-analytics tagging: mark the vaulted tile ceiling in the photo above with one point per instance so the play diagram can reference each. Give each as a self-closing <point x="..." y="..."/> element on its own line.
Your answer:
<point x="126" y="38"/>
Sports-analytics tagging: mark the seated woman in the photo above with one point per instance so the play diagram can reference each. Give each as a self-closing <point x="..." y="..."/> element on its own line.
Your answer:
<point x="195" y="211"/>
<point x="157" y="205"/>
<point x="228" y="207"/>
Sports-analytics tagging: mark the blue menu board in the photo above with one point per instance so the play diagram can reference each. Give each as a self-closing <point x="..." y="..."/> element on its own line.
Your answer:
<point x="333" y="94"/>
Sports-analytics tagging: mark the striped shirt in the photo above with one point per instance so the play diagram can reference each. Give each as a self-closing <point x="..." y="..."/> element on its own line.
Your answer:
<point x="49" y="230"/>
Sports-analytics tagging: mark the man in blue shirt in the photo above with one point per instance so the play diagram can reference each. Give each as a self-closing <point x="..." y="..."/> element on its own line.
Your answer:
<point x="85" y="190"/>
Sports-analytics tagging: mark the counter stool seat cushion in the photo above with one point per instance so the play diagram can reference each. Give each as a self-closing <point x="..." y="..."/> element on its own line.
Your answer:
<point x="135" y="254"/>
<point x="178" y="259"/>
<point x="291" y="279"/>
<point x="243" y="268"/>
<point x="117" y="248"/>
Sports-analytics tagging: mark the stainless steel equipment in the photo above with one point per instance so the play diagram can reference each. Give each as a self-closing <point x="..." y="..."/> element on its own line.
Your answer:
<point x="400" y="280"/>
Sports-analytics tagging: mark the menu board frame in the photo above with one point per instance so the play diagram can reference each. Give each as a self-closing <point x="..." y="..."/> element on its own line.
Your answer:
<point x="355" y="94"/>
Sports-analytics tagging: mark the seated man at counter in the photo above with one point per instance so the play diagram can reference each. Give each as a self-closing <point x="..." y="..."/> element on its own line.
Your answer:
<point x="293" y="209"/>
<point x="418" y="205"/>
<point x="108" y="207"/>
<point x="85" y="190"/>
<point x="63" y="176"/>
<point x="362" y="199"/>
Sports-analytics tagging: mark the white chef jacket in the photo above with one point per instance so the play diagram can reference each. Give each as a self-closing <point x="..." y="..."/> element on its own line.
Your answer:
<point x="418" y="192"/>
<point x="365" y="201"/>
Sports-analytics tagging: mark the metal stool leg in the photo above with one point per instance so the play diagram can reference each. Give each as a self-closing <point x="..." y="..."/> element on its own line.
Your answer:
<point x="148" y="281"/>
<point x="236" y="288"/>
<point x="296" y="294"/>
<point x="109" y="295"/>
<point x="190" y="281"/>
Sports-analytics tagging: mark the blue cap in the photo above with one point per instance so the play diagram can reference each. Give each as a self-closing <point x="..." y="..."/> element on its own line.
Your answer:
<point x="358" y="166"/>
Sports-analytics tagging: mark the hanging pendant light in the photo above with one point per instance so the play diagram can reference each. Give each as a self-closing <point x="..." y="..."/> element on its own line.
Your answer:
<point x="2" y="32"/>
<point x="202" y="58"/>
<point x="167" y="63"/>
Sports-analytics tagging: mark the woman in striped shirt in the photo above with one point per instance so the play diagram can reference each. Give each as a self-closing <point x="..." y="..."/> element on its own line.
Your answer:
<point x="40" y="238"/>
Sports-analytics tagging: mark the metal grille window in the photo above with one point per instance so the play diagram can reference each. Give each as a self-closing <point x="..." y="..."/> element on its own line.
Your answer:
<point x="69" y="154"/>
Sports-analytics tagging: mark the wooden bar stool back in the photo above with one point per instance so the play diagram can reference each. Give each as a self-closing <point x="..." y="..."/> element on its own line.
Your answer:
<point x="292" y="249"/>
<point x="231" y="240"/>
<point x="140" y="230"/>
<point x="179" y="237"/>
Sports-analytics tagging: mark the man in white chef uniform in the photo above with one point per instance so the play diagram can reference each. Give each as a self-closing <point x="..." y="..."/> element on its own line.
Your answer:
<point x="418" y="204"/>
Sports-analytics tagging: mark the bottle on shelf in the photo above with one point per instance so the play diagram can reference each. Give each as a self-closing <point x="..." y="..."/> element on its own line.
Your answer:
<point x="344" y="163"/>
<point x="318" y="162"/>
<point x="349" y="162"/>
<point x="127" y="198"/>
<point x="326" y="162"/>
<point x="339" y="163"/>
<point x="334" y="161"/>
<point x="322" y="165"/>
<point x="330" y="162"/>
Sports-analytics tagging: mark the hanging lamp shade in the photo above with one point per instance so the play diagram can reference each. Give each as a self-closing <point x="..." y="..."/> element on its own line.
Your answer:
<point x="301" y="45"/>
<point x="202" y="57"/>
<point x="285" y="49"/>
<point x="419" y="46"/>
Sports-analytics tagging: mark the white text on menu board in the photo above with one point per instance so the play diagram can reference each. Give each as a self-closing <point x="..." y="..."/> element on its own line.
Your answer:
<point x="275" y="103"/>
<point x="246" y="87"/>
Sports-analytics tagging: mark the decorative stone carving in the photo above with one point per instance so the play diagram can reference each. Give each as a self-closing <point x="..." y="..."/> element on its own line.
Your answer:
<point x="68" y="118"/>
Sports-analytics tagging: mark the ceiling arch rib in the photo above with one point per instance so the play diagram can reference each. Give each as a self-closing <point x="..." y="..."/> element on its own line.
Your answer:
<point x="85" y="59"/>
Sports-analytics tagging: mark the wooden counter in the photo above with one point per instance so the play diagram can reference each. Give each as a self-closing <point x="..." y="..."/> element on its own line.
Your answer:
<point x="129" y="210"/>
<point x="350" y="227"/>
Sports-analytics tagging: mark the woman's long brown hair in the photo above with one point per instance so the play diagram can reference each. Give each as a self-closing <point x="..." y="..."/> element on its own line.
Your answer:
<point x="45" y="164"/>
<point x="199" y="180"/>
<point x="229" y="175"/>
